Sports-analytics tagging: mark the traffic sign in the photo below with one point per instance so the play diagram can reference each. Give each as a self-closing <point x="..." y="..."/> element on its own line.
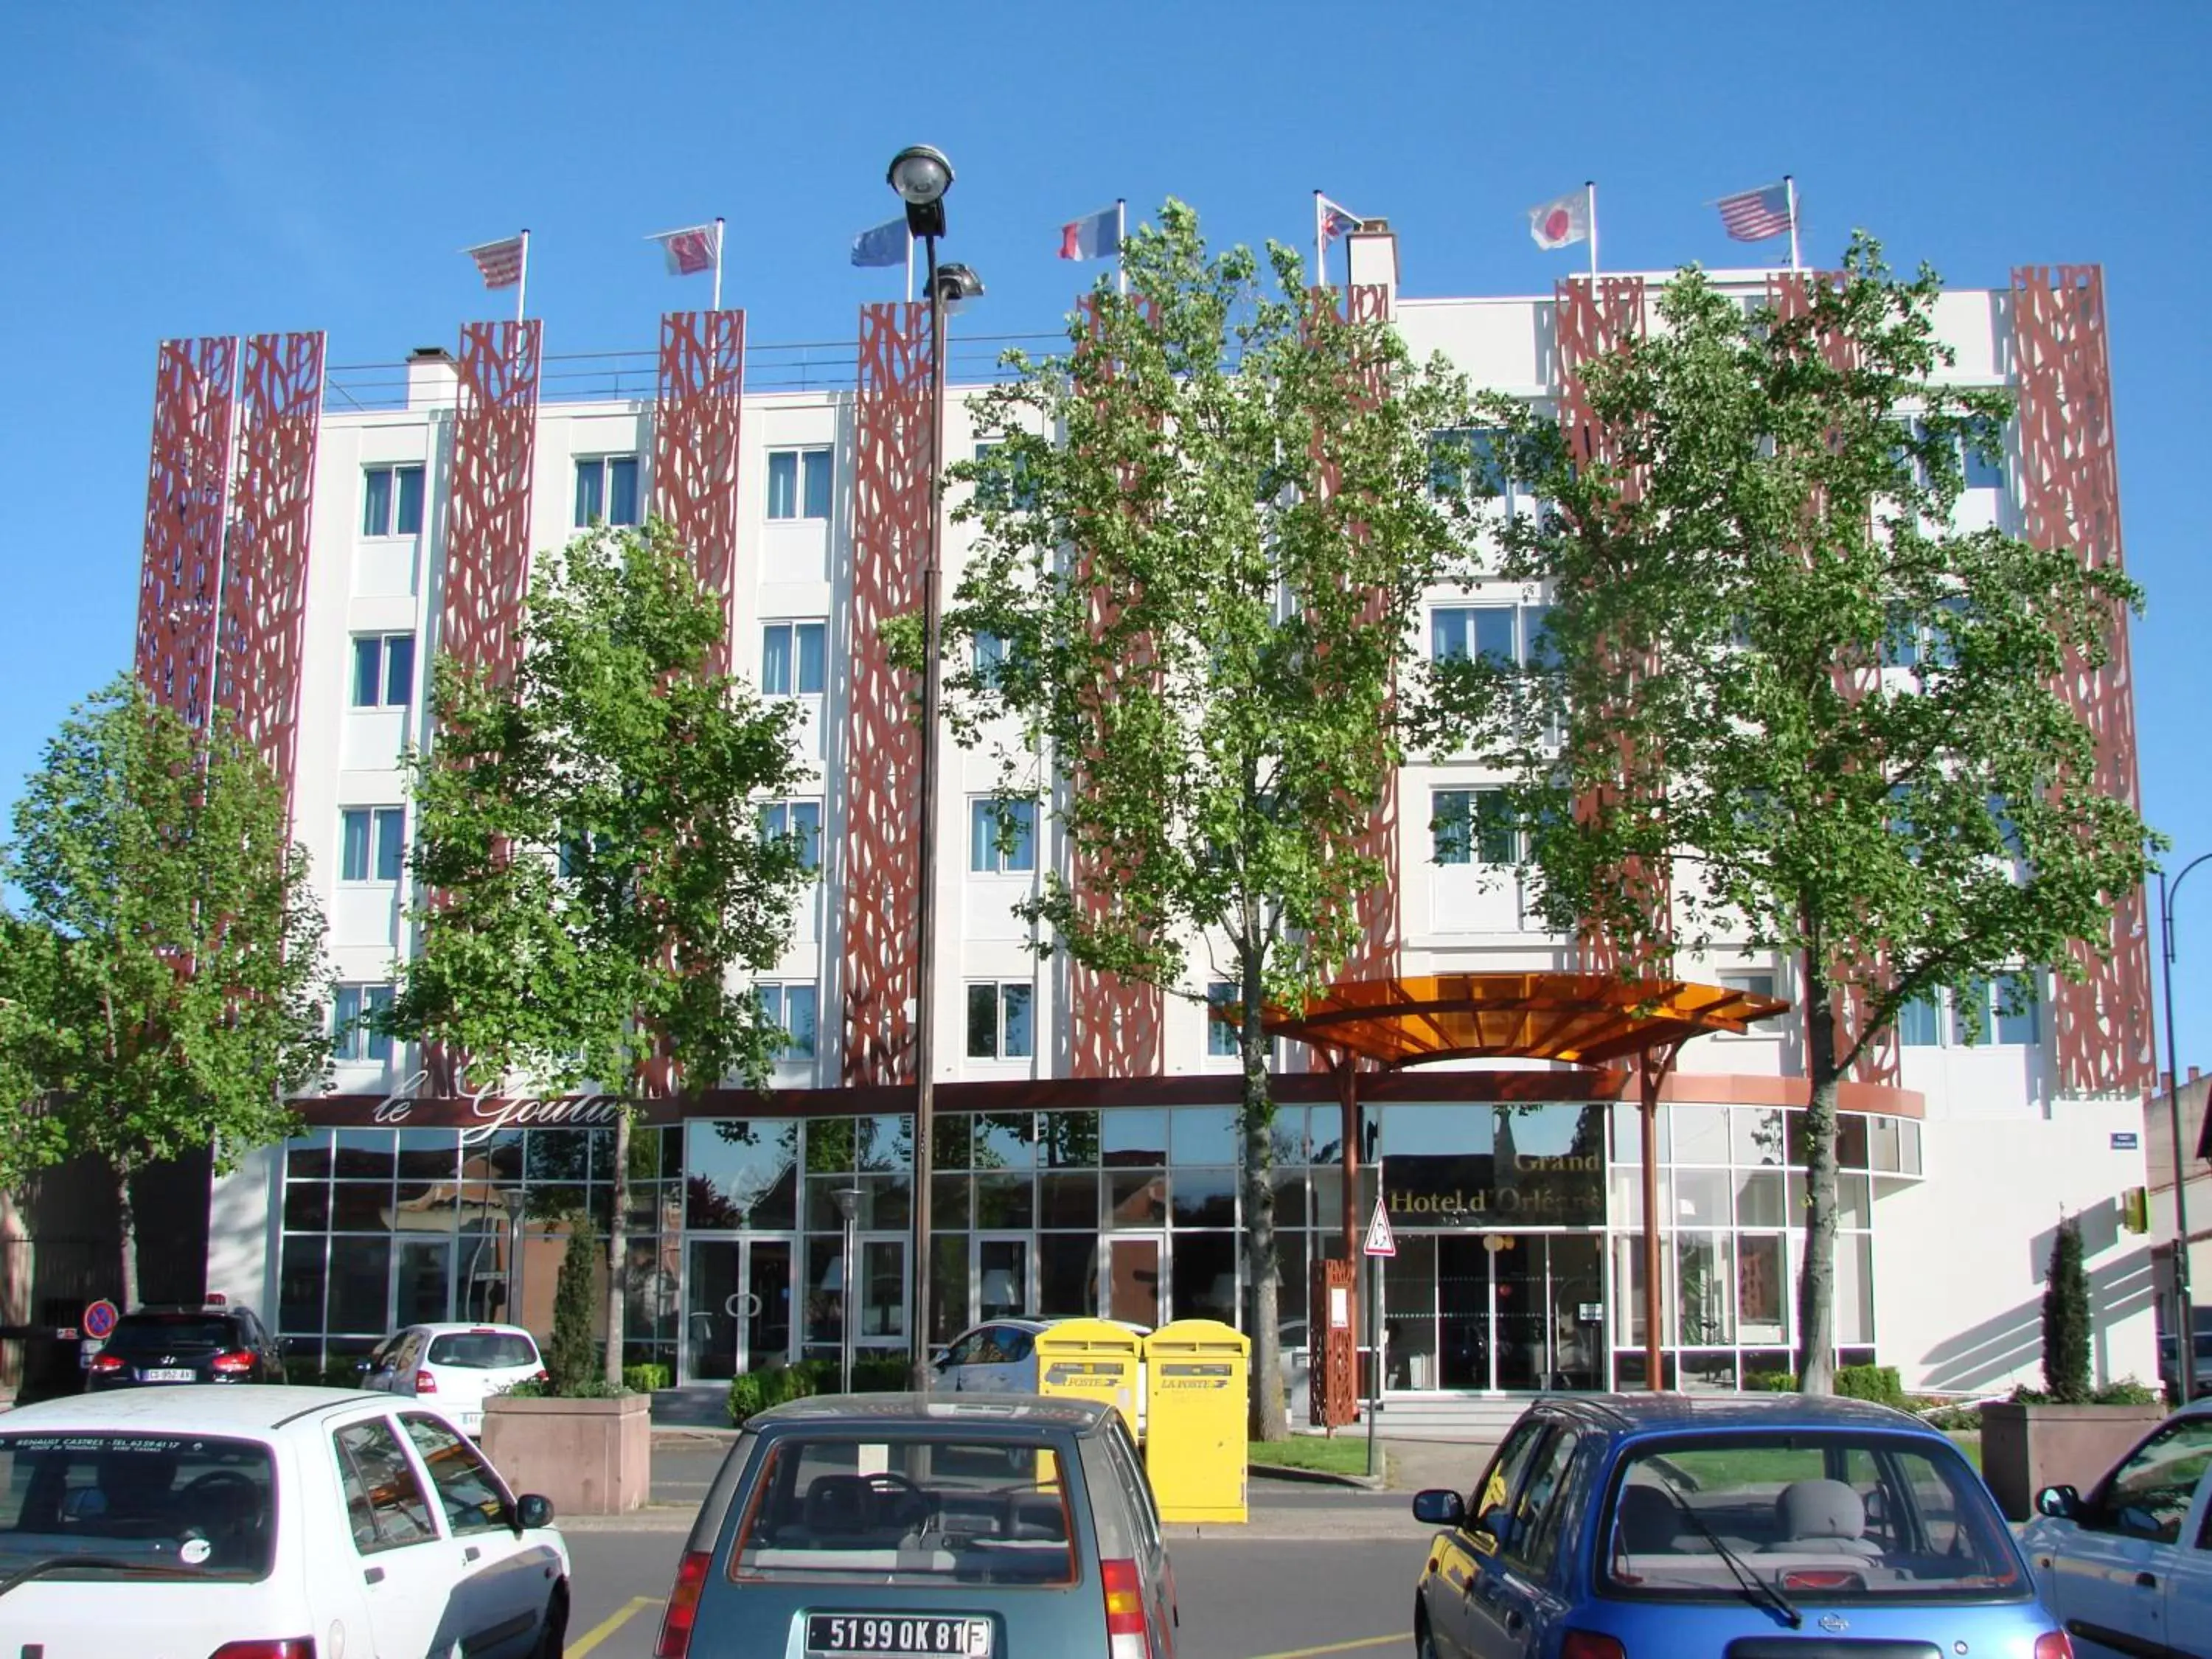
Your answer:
<point x="1380" y="1239"/>
<point x="99" y="1319"/>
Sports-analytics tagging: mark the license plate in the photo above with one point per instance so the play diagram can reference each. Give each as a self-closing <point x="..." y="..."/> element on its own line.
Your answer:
<point x="169" y="1373"/>
<point x="897" y="1635"/>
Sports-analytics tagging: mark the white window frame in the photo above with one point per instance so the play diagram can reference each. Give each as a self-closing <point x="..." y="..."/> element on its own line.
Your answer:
<point x="349" y="1040"/>
<point x="780" y="990"/>
<point x="383" y="642"/>
<point x="1474" y="792"/>
<point x="606" y="490"/>
<point x="985" y="856"/>
<point x="378" y="817"/>
<point x="999" y="988"/>
<point x="392" y="470"/>
<point x="776" y="819"/>
<point x="792" y="629"/>
<point x="802" y="467"/>
<point x="1751" y="979"/>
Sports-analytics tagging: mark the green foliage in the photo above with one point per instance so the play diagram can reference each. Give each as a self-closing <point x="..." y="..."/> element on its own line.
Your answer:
<point x="647" y="1378"/>
<point x="1771" y="1382"/>
<point x="1838" y="725"/>
<point x="2128" y="1391"/>
<point x="572" y="1359"/>
<point x="1244" y="478"/>
<point x="1876" y="1383"/>
<point x="2066" y="1319"/>
<point x="164" y="977"/>
<point x="757" y="1391"/>
<point x="589" y="829"/>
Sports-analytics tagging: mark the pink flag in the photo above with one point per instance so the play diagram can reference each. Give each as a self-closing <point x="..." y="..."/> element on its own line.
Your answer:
<point x="690" y="251"/>
<point x="500" y="262"/>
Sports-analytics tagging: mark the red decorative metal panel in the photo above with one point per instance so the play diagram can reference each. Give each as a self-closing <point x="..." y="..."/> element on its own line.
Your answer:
<point x="1115" y="1026"/>
<point x="695" y="445"/>
<point x="1593" y="317"/>
<point x="1332" y="1384"/>
<point x="1375" y="953"/>
<point x="2070" y="497"/>
<point x="488" y="511"/>
<point x="180" y="571"/>
<point x="264" y="587"/>
<point x="882" y="875"/>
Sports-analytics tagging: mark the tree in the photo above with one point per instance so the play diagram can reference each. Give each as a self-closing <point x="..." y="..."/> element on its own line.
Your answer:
<point x="571" y="1358"/>
<point x="589" y="854"/>
<point x="166" y="977"/>
<point x="2066" y="1319"/>
<point x="1787" y="692"/>
<point x="1204" y="686"/>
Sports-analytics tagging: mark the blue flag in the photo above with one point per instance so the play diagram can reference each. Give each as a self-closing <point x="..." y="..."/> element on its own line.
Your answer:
<point x="884" y="245"/>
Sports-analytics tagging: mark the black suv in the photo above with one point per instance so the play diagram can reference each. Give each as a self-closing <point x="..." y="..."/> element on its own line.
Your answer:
<point x="213" y="1344"/>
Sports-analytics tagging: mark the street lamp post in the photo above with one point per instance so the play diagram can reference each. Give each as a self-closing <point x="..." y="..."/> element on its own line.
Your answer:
<point x="921" y="175"/>
<point x="847" y="1199"/>
<point x="2184" y="1339"/>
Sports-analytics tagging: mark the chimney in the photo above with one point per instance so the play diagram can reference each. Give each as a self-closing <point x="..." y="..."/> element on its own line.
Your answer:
<point x="2192" y="1074"/>
<point x="433" y="380"/>
<point x="1372" y="257"/>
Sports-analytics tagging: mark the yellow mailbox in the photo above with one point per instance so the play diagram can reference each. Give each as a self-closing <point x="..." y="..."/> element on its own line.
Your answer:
<point x="1093" y="1359"/>
<point x="1197" y="1376"/>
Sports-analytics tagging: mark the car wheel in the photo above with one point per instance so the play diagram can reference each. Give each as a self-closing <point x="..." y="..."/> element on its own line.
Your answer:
<point x="1425" y="1643"/>
<point x="553" y="1635"/>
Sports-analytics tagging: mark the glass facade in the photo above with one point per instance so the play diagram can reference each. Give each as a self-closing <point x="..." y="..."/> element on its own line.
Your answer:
<point x="1519" y="1264"/>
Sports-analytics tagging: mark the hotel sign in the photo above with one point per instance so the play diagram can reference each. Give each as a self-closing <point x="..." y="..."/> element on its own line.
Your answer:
<point x="480" y="1114"/>
<point x="1484" y="1189"/>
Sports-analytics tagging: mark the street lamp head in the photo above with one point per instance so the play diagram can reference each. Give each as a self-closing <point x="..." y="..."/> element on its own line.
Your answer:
<point x="847" y="1199"/>
<point x="919" y="174"/>
<point x="956" y="283"/>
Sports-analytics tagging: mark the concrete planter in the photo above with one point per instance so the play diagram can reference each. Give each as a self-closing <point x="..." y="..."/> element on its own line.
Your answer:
<point x="2028" y="1448"/>
<point x="589" y="1456"/>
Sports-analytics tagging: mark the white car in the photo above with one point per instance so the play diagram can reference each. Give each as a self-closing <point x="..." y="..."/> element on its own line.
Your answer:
<point x="999" y="1357"/>
<point x="266" y="1523"/>
<point x="459" y="1366"/>
<point x="2127" y="1568"/>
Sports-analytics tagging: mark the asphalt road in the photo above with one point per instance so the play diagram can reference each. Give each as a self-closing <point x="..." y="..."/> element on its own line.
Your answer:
<point x="1345" y="1590"/>
<point x="1242" y="1599"/>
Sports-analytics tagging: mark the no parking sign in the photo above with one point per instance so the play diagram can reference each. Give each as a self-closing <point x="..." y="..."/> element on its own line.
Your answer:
<point x="99" y="1319"/>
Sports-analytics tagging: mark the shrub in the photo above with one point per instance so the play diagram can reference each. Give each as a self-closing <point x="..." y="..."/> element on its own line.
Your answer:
<point x="2066" y="1319"/>
<point x="879" y="1375"/>
<point x="1771" y="1382"/>
<point x="1876" y="1383"/>
<point x="2128" y="1391"/>
<point x="571" y="1360"/>
<point x="747" y="1396"/>
<point x="646" y="1378"/>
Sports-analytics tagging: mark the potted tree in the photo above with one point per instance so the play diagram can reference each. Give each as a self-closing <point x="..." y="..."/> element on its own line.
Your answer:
<point x="583" y="1443"/>
<point x="2066" y="1433"/>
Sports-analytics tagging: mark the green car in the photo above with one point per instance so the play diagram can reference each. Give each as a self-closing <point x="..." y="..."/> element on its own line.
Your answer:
<point x="987" y="1527"/>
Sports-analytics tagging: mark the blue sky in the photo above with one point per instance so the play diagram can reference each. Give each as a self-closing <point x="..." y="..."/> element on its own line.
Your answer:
<point x="199" y="170"/>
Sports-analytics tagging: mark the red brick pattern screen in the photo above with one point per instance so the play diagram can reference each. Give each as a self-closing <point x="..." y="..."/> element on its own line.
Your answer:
<point x="695" y="445"/>
<point x="488" y="511"/>
<point x="181" y="569"/>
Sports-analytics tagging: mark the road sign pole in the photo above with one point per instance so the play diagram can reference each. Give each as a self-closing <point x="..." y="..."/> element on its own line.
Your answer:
<point x="1374" y="1360"/>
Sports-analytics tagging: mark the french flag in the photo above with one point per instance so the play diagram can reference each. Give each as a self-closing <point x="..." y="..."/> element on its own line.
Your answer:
<point x="1095" y="236"/>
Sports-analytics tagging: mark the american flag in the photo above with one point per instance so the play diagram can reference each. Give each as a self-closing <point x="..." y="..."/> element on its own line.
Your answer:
<point x="1336" y="221"/>
<point x="500" y="262"/>
<point x="1752" y="215"/>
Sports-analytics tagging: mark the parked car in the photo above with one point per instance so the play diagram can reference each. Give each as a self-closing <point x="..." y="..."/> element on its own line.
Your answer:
<point x="2128" y="1569"/>
<point x="460" y="1366"/>
<point x="1608" y="1525"/>
<point x="911" y="1524"/>
<point x="2169" y="1365"/>
<point x="280" y="1523"/>
<point x="217" y="1343"/>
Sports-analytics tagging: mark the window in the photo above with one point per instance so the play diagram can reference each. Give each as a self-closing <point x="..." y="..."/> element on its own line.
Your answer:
<point x="354" y="1010"/>
<point x="792" y="1009"/>
<point x="2149" y="1495"/>
<point x="1761" y="984"/>
<point x="2018" y="1021"/>
<point x="1535" y="1538"/>
<point x="798" y="484"/>
<point x="1920" y="1024"/>
<point x="998" y="1022"/>
<point x="606" y="490"/>
<point x="1001" y="836"/>
<point x="989" y="658"/>
<point x="384" y="1500"/>
<point x="1220" y="1035"/>
<point x="1020" y="494"/>
<point x="1472" y="826"/>
<point x="372" y="843"/>
<point x="391" y="501"/>
<point x="801" y="818"/>
<point x="792" y="659"/>
<point x="383" y="670"/>
<point x="1457" y="632"/>
<point x="471" y="1494"/>
<point x="1983" y="473"/>
<point x="1970" y="1013"/>
<point x="1466" y="460"/>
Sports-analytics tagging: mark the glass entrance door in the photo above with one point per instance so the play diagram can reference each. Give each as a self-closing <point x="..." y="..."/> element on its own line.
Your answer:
<point x="737" y="1307"/>
<point x="1495" y="1310"/>
<point x="1132" y="1279"/>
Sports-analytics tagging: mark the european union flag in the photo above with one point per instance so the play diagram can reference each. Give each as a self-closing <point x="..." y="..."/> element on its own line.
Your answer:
<point x="884" y="245"/>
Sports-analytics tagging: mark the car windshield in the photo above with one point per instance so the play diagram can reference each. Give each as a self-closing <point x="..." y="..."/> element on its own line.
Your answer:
<point x="918" y="1510"/>
<point x="483" y="1351"/>
<point x="1819" y="1516"/>
<point x="169" y="1332"/>
<point x="193" y="1505"/>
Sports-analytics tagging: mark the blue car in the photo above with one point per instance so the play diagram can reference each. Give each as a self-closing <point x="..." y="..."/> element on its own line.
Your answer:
<point x="1757" y="1527"/>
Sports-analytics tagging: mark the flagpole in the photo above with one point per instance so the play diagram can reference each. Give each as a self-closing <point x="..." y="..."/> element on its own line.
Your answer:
<point x="522" y="276"/>
<point x="1589" y="186"/>
<point x="910" y="265"/>
<point x="1122" y="246"/>
<point x="1789" y="186"/>
<point x="717" y="306"/>
<point x="1321" y="246"/>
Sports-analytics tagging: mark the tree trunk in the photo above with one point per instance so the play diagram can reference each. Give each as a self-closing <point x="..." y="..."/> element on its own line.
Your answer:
<point x="126" y="1225"/>
<point x="1268" y="1418"/>
<point x="618" y="1250"/>
<point x="1816" y="1278"/>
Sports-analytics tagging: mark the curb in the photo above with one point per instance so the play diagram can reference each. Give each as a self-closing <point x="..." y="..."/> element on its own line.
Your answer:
<point x="1319" y="1477"/>
<point x="673" y="1433"/>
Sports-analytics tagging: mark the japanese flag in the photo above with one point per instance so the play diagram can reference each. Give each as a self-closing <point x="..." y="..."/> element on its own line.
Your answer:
<point x="1556" y="223"/>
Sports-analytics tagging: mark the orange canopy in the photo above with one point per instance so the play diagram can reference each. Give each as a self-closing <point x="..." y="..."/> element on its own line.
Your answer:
<point x="1585" y="1019"/>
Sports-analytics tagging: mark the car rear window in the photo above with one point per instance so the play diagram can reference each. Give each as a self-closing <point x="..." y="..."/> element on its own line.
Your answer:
<point x="1820" y="1517"/>
<point x="906" y="1511"/>
<point x="143" y="1333"/>
<point x="188" y="1506"/>
<point x="482" y="1351"/>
